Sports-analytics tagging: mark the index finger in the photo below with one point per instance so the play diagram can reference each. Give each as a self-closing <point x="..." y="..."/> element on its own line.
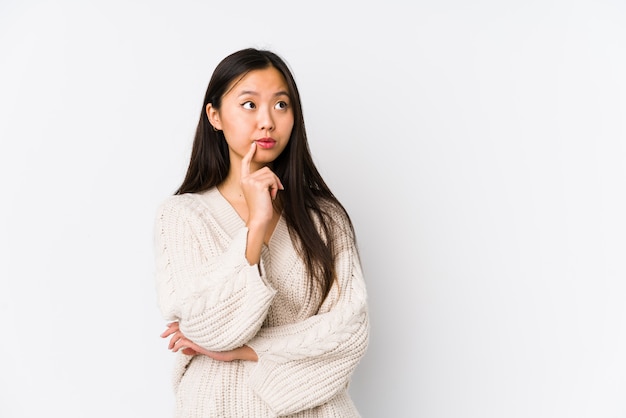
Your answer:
<point x="245" y="162"/>
<point x="171" y="328"/>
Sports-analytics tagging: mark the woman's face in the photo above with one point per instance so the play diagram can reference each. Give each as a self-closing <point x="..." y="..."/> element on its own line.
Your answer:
<point x="256" y="108"/>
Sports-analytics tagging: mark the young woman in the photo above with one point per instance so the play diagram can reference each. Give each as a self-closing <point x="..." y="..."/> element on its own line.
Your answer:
<point x="258" y="272"/>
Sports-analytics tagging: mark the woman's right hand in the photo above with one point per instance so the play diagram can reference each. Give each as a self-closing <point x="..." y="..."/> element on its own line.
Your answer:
<point x="260" y="188"/>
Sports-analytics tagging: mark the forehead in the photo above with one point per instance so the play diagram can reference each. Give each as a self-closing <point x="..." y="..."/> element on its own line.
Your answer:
<point x="257" y="81"/>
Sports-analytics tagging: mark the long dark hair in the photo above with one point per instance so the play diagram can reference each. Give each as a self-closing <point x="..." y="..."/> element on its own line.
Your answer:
<point x="306" y="201"/>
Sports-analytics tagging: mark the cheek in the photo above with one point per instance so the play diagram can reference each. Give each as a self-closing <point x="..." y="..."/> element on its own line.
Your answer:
<point x="236" y="124"/>
<point x="287" y="124"/>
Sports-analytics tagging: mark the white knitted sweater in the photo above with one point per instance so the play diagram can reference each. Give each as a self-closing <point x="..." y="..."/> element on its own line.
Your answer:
<point x="306" y="355"/>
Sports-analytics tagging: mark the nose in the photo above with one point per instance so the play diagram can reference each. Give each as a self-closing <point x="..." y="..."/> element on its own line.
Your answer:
<point x="266" y="121"/>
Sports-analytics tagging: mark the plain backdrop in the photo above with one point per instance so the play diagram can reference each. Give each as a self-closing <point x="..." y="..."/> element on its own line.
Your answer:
<point x="480" y="148"/>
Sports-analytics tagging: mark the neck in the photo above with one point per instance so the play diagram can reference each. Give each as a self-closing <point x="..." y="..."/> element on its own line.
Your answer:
<point x="231" y="187"/>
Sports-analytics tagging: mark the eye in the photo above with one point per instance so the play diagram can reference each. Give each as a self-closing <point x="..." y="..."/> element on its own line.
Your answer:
<point x="248" y="105"/>
<point x="281" y="105"/>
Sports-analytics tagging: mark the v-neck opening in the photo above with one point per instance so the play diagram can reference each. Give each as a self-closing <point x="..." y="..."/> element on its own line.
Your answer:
<point x="235" y="215"/>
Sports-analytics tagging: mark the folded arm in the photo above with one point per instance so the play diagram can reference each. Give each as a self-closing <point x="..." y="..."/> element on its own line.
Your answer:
<point x="305" y="364"/>
<point x="206" y="284"/>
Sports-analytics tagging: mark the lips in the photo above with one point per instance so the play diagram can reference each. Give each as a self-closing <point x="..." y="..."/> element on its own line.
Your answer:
<point x="265" y="143"/>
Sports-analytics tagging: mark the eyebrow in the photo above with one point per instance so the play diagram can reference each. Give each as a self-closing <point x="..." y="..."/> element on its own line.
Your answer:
<point x="254" y="93"/>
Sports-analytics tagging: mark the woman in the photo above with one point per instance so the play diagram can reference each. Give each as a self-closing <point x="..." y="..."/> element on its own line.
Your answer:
<point x="257" y="265"/>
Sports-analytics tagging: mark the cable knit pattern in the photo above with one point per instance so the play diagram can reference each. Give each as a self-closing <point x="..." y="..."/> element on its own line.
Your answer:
<point x="306" y="355"/>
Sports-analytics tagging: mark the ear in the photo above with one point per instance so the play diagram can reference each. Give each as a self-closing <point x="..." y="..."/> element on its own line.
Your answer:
<point x="214" y="116"/>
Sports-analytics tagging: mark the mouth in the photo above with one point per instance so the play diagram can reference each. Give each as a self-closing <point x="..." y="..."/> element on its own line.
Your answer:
<point x="265" y="143"/>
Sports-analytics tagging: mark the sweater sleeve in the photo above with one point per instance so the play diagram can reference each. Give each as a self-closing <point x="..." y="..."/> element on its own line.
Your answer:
<point x="204" y="281"/>
<point x="305" y="364"/>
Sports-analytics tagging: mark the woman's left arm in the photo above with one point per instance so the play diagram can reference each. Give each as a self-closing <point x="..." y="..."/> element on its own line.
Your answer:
<point x="178" y="341"/>
<point x="305" y="364"/>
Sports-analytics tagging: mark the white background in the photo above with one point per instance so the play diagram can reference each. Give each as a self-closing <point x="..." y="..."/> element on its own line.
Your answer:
<point x="479" y="147"/>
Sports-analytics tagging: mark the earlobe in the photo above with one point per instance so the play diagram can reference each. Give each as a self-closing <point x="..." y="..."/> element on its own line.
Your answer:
<point x="214" y="117"/>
